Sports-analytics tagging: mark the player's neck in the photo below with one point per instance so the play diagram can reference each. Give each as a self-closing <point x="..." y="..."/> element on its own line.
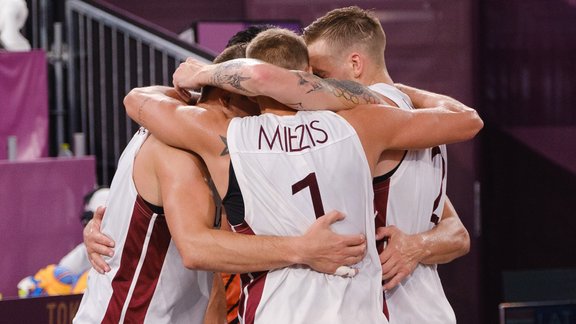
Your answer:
<point x="377" y="74"/>
<point x="269" y="105"/>
<point x="381" y="77"/>
<point x="214" y="106"/>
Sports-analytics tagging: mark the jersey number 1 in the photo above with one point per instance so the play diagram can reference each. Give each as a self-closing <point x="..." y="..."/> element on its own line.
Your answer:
<point x="311" y="182"/>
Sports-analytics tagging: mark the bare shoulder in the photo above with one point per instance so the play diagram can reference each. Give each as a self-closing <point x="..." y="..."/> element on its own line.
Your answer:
<point x="172" y="162"/>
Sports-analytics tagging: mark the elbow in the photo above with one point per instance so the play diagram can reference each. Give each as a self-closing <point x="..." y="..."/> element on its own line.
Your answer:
<point x="463" y="243"/>
<point x="192" y="260"/>
<point x="130" y="103"/>
<point x="478" y="123"/>
<point x="193" y="253"/>
<point x="475" y="124"/>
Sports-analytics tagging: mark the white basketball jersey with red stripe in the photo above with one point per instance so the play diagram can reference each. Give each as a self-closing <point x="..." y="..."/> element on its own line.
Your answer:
<point x="147" y="283"/>
<point x="415" y="193"/>
<point x="290" y="170"/>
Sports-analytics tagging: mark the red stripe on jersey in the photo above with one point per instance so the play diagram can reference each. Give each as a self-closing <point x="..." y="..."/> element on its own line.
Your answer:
<point x="252" y="284"/>
<point x="150" y="272"/>
<point x="381" y="190"/>
<point x="131" y="254"/>
<point x="255" y="289"/>
<point x="242" y="228"/>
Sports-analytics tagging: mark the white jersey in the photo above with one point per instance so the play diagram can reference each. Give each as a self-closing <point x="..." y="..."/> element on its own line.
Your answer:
<point x="290" y="170"/>
<point x="148" y="282"/>
<point x="414" y="200"/>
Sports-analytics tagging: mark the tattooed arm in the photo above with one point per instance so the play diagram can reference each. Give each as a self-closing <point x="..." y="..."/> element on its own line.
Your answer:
<point x="297" y="89"/>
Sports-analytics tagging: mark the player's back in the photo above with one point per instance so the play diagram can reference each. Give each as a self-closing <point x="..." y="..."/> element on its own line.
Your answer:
<point x="147" y="282"/>
<point x="290" y="171"/>
<point x="412" y="199"/>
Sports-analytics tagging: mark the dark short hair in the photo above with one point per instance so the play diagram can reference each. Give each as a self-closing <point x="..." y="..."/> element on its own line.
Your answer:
<point x="232" y="52"/>
<point x="247" y="35"/>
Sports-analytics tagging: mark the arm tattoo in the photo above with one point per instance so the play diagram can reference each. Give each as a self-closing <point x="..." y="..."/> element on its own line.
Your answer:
<point x="349" y="90"/>
<point x="225" y="150"/>
<point x="308" y="80"/>
<point x="353" y="92"/>
<point x="228" y="73"/>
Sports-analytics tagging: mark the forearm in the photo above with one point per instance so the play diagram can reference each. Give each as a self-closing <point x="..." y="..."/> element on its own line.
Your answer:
<point x="446" y="241"/>
<point x="297" y="89"/>
<point x="217" y="250"/>
<point x="426" y="99"/>
<point x="422" y="98"/>
<point x="138" y="99"/>
<point x="155" y="108"/>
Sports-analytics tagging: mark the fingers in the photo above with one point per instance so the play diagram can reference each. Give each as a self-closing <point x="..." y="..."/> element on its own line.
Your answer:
<point x="352" y="260"/>
<point x="389" y="270"/>
<point x="97" y="247"/>
<point x="395" y="281"/>
<point x="183" y="94"/>
<point x="381" y="233"/>
<point x="386" y="255"/>
<point x="99" y="214"/>
<point x="387" y="231"/>
<point x="92" y="234"/>
<point x="354" y="254"/>
<point x="353" y="240"/>
<point x="94" y="239"/>
<point x="101" y="245"/>
<point x="98" y="263"/>
<point x="97" y="244"/>
<point x="332" y="217"/>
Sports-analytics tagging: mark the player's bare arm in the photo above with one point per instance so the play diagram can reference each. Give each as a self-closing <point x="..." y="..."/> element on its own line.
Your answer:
<point x="190" y="218"/>
<point x="297" y="89"/>
<point x="445" y="242"/>
<point x="173" y="121"/>
<point x="395" y="129"/>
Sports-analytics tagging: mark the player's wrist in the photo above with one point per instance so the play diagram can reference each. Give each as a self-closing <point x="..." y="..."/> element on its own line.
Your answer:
<point x="424" y="244"/>
<point x="296" y="248"/>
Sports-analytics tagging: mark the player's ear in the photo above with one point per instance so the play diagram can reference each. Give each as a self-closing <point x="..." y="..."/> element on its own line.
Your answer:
<point x="225" y="98"/>
<point x="357" y="64"/>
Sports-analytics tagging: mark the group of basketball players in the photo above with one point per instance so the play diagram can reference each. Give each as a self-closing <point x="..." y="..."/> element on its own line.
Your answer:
<point x="279" y="171"/>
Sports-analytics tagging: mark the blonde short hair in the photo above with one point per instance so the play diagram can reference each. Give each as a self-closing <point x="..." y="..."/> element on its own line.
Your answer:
<point x="344" y="28"/>
<point x="281" y="47"/>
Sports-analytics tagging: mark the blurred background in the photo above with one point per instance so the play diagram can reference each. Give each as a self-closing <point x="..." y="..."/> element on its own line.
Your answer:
<point x="514" y="186"/>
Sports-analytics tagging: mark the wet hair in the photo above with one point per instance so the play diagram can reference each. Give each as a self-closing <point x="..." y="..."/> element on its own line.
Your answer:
<point x="281" y="47"/>
<point x="344" y="28"/>
<point x="248" y="34"/>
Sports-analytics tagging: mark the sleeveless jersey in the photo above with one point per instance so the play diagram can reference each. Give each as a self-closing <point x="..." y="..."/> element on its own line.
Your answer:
<point x="147" y="282"/>
<point x="292" y="169"/>
<point x="413" y="199"/>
